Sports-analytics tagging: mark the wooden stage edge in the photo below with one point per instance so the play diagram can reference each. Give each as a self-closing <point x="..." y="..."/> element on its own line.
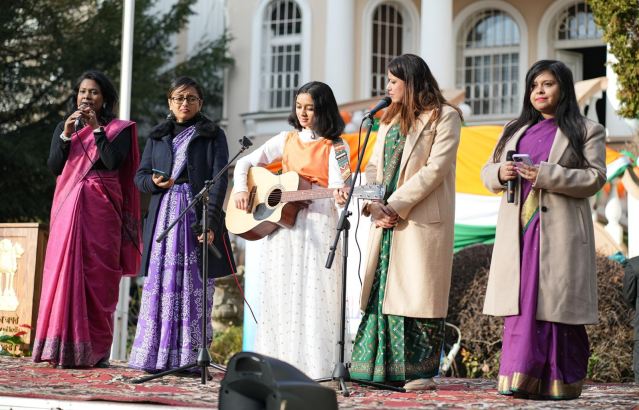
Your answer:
<point x="20" y="403"/>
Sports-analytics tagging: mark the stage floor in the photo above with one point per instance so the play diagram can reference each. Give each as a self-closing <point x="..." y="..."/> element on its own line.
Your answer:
<point x="25" y="385"/>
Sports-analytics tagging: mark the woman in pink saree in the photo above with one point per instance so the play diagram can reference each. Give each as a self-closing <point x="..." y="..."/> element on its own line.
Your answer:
<point x="94" y="235"/>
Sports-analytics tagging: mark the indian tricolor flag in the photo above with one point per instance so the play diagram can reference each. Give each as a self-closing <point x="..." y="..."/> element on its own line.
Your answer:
<point x="616" y="163"/>
<point x="476" y="208"/>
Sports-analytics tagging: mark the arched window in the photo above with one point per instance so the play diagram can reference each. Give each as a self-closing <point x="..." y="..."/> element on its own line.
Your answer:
<point x="390" y="28"/>
<point x="387" y="36"/>
<point x="281" y="55"/>
<point x="576" y="22"/>
<point x="488" y="64"/>
<point x="567" y="32"/>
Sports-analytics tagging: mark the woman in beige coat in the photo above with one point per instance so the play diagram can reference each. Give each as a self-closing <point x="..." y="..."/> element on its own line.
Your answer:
<point x="409" y="258"/>
<point x="543" y="272"/>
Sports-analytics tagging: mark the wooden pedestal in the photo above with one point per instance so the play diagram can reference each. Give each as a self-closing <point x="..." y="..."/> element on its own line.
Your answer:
<point x="22" y="250"/>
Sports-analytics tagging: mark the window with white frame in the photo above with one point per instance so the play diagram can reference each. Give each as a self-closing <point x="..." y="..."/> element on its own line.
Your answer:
<point x="387" y="39"/>
<point x="280" y="62"/>
<point x="576" y="21"/>
<point x="488" y="48"/>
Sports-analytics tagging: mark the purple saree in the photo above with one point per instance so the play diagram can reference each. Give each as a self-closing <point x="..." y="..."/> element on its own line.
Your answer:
<point x="169" y="330"/>
<point x="539" y="358"/>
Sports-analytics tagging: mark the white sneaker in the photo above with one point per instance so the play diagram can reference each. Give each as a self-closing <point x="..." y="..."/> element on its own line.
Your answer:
<point x="420" y="384"/>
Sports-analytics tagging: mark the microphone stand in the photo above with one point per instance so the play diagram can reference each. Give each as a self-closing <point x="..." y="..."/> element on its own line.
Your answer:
<point x="204" y="356"/>
<point x="341" y="373"/>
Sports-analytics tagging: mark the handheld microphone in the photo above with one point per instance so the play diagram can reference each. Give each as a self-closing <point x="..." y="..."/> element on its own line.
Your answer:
<point x="78" y="121"/>
<point x="383" y="103"/>
<point x="510" y="185"/>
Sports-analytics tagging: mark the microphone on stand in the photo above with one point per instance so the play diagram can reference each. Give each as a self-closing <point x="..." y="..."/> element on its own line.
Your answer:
<point x="197" y="228"/>
<point x="510" y="185"/>
<point x="78" y="121"/>
<point x="245" y="142"/>
<point x="383" y="103"/>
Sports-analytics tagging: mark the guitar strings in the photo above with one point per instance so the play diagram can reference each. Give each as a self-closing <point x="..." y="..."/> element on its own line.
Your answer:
<point x="275" y="197"/>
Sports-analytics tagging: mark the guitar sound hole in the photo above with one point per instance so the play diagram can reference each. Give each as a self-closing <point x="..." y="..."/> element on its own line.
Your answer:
<point x="274" y="198"/>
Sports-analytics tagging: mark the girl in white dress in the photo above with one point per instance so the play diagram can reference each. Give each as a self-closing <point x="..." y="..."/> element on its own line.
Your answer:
<point x="299" y="297"/>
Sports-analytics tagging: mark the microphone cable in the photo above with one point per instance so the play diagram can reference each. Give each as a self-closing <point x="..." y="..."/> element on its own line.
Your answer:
<point x="359" y="213"/>
<point x="387" y="100"/>
<point x="228" y="255"/>
<point x="137" y="248"/>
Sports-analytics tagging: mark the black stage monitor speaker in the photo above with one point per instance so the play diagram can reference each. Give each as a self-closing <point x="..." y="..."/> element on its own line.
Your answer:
<point x="257" y="382"/>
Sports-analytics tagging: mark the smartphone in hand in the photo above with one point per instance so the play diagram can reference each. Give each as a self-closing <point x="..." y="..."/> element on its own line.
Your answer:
<point x="523" y="158"/>
<point x="164" y="175"/>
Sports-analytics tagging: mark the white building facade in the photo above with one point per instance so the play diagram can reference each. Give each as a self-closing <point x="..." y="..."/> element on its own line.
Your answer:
<point x="483" y="47"/>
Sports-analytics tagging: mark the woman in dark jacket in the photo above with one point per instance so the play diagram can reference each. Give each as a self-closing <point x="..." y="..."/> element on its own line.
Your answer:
<point x="189" y="149"/>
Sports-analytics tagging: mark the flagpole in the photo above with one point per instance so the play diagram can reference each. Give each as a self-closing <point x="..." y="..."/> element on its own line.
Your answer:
<point x="120" y="331"/>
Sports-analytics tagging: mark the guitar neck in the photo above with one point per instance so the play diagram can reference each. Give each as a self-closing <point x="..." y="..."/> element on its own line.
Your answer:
<point x="306" y="195"/>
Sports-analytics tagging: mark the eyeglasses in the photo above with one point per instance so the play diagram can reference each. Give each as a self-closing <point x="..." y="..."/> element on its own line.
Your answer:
<point x="191" y="100"/>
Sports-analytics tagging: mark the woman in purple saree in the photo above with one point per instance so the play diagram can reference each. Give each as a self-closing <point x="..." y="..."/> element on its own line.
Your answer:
<point x="543" y="271"/>
<point x="94" y="232"/>
<point x="189" y="149"/>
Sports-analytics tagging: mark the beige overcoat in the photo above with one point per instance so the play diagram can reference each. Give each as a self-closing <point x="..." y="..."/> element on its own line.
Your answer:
<point x="567" y="267"/>
<point x="421" y="256"/>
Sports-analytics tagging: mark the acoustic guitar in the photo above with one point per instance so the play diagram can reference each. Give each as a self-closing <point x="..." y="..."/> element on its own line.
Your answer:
<point x="275" y="200"/>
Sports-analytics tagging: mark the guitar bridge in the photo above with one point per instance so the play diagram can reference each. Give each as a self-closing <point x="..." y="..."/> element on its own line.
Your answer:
<point x="251" y="200"/>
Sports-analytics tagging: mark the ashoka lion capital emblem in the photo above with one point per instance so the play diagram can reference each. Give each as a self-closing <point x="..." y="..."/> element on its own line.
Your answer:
<point x="9" y="254"/>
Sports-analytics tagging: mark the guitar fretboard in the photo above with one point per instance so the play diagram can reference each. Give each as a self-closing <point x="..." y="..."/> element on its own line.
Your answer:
<point x="305" y="195"/>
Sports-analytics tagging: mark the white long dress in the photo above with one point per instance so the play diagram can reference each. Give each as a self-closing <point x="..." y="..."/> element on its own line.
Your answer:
<point x="299" y="298"/>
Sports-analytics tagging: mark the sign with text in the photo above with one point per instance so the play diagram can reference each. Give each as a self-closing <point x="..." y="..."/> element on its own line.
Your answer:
<point x="22" y="250"/>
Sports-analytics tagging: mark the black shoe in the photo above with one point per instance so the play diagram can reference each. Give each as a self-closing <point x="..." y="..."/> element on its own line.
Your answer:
<point x="103" y="363"/>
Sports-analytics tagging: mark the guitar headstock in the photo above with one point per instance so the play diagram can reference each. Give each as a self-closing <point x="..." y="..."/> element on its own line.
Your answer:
<point x="371" y="192"/>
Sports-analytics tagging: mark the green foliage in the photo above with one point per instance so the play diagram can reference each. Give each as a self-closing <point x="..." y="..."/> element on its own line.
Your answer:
<point x="226" y="344"/>
<point x="472" y="363"/>
<point x="14" y="341"/>
<point x="11" y="339"/>
<point x="44" y="47"/>
<point x="619" y="20"/>
<point x="478" y="365"/>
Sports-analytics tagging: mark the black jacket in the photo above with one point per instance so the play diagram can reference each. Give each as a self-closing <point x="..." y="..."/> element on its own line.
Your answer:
<point x="207" y="154"/>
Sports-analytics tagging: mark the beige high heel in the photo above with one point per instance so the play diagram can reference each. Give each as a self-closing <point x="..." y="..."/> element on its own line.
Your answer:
<point x="420" y="384"/>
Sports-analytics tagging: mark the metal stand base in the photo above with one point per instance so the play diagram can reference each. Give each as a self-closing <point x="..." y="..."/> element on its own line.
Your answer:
<point x="342" y="375"/>
<point x="203" y="362"/>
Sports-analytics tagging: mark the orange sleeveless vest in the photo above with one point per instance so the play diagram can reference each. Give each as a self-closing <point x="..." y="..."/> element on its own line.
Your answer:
<point x="308" y="159"/>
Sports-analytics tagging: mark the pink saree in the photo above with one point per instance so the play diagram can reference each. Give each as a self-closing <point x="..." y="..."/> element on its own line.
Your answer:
<point x="89" y="250"/>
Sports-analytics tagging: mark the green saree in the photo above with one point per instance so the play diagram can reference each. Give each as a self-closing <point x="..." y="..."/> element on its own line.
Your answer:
<point x="387" y="347"/>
